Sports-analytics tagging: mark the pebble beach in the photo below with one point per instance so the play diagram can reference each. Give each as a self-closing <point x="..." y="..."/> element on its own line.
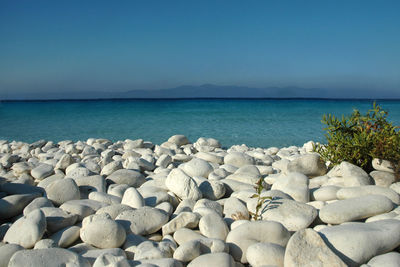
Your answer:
<point x="192" y="203"/>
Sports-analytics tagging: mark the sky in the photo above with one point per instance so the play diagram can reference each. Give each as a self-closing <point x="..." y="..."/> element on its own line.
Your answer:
<point x="95" y="45"/>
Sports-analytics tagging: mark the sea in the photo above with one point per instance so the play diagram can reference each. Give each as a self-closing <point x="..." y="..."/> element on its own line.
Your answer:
<point x="254" y="122"/>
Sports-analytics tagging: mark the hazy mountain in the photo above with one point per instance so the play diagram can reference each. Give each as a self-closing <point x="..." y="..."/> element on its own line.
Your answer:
<point x="212" y="91"/>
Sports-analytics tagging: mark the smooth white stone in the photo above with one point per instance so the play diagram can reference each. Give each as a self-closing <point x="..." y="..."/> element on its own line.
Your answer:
<point x="142" y="221"/>
<point x="355" y="209"/>
<point x="132" y="198"/>
<point x="88" y="184"/>
<point x="114" y="210"/>
<point x="13" y="205"/>
<point x="310" y="165"/>
<point x="27" y="230"/>
<point x="356" y="243"/>
<point x="383" y="165"/>
<point x="295" y="185"/>
<point x="184" y="219"/>
<point x="129" y="177"/>
<point x="352" y="192"/>
<point x="42" y="171"/>
<point x="66" y="236"/>
<point x="325" y="193"/>
<point x="307" y="248"/>
<point x="242" y="236"/>
<point x="194" y="248"/>
<point x="105" y="198"/>
<point x="6" y="252"/>
<point x="57" y="218"/>
<point x="391" y="259"/>
<point x="213" y="260"/>
<point x="63" y="190"/>
<point x="213" y="226"/>
<point x="384" y="179"/>
<point x="291" y="214"/>
<point x="261" y="254"/>
<point x="182" y="185"/>
<point x="238" y="159"/>
<point x="109" y="260"/>
<point x="47" y="257"/>
<point x="102" y="232"/>
<point x="197" y="167"/>
<point x="184" y="235"/>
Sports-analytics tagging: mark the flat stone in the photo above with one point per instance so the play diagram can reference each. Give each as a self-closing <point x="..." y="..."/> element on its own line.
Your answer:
<point x="105" y="198"/>
<point x="66" y="236"/>
<point x="13" y="205"/>
<point x="42" y="171"/>
<point x="47" y="257"/>
<point x="27" y="230"/>
<point x="111" y="167"/>
<point x="143" y="221"/>
<point x="129" y="177"/>
<point x="306" y="247"/>
<point x="102" y="232"/>
<point x="249" y="233"/>
<point x="61" y="191"/>
<point x="184" y="219"/>
<point x="352" y="192"/>
<point x="261" y="254"/>
<point x="356" y="243"/>
<point x="355" y="209"/>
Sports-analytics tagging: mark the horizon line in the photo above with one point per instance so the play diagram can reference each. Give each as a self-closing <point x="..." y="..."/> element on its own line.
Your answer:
<point x="198" y="98"/>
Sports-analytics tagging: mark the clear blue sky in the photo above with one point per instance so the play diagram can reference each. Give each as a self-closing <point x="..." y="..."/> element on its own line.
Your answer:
<point x="123" y="45"/>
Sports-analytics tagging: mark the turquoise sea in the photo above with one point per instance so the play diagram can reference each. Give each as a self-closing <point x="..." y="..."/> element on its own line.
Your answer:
<point x="257" y="123"/>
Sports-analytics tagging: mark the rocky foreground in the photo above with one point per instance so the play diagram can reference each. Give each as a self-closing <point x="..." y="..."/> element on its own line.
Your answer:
<point x="132" y="203"/>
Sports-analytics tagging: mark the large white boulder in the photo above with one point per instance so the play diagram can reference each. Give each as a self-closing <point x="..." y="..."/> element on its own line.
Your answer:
<point x="357" y="243"/>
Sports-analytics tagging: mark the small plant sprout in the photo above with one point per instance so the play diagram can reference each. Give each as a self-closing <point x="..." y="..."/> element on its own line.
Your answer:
<point x="260" y="200"/>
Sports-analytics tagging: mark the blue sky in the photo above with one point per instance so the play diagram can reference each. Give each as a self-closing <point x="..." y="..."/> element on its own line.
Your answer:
<point x="124" y="45"/>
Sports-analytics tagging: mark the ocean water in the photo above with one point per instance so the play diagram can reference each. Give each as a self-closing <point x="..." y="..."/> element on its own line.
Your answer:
<point x="256" y="123"/>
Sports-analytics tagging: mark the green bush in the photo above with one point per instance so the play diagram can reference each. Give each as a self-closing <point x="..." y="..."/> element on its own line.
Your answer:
<point x="360" y="138"/>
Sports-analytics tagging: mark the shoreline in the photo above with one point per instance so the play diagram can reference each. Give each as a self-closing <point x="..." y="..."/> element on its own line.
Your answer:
<point x="178" y="203"/>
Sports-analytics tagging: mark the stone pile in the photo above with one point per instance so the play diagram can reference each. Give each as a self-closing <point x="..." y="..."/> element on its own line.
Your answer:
<point x="133" y="203"/>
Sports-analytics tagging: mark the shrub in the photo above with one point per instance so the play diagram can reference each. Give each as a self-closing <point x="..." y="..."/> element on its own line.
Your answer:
<point x="360" y="138"/>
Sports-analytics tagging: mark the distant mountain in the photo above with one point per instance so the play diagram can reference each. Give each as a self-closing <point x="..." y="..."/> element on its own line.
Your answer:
<point x="211" y="91"/>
